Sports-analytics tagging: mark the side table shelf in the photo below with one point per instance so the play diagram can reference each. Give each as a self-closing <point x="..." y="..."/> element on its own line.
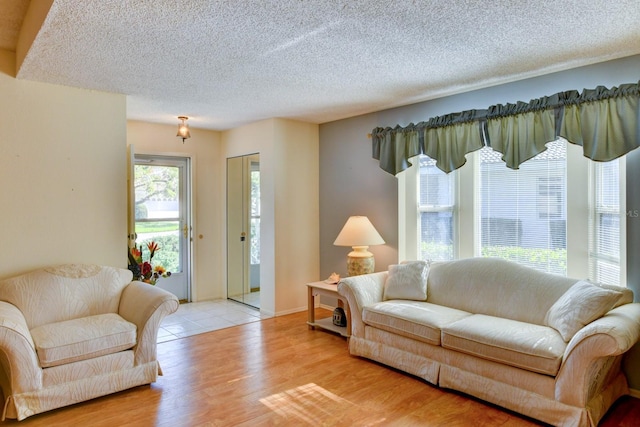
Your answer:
<point x="318" y="289"/>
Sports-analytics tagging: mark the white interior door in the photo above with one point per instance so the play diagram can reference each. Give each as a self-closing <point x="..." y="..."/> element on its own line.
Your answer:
<point x="162" y="216"/>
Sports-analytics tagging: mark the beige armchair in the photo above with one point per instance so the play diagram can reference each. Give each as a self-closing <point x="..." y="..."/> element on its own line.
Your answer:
<point x="76" y="332"/>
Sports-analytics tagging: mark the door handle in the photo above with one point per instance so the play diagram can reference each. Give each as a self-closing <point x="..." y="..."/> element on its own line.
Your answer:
<point x="185" y="231"/>
<point x="243" y="236"/>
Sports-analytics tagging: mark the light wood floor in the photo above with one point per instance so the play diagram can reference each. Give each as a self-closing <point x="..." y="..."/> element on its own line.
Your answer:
<point x="276" y="372"/>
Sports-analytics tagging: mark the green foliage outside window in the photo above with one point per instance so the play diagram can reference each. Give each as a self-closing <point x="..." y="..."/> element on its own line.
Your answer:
<point x="551" y="260"/>
<point x="167" y="254"/>
<point x="436" y="251"/>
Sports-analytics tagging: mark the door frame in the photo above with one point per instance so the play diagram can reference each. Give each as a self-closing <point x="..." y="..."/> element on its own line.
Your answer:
<point x="244" y="249"/>
<point x="186" y="200"/>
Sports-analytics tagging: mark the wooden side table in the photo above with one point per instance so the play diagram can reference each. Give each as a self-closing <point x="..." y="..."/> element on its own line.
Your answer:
<point x="318" y="289"/>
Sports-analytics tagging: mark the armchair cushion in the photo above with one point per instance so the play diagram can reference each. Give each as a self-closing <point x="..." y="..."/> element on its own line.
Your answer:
<point x="84" y="338"/>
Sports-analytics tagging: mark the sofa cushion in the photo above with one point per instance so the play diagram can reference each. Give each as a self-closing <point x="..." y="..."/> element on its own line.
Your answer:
<point x="580" y="305"/>
<point x="496" y="287"/>
<point x="407" y="281"/>
<point x="83" y="338"/>
<point x="418" y="320"/>
<point x="524" y="345"/>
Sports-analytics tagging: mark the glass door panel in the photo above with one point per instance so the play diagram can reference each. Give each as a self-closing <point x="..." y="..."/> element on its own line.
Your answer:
<point x="243" y="229"/>
<point x="161" y="206"/>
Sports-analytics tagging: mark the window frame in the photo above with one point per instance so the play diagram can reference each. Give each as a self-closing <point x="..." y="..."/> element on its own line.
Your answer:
<point x="467" y="212"/>
<point x="595" y="211"/>
<point x="450" y="208"/>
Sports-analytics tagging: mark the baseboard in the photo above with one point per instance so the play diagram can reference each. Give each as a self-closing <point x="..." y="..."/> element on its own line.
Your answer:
<point x="284" y="312"/>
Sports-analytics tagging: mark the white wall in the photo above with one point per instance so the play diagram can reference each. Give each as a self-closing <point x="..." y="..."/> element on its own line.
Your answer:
<point x="296" y="212"/>
<point x="63" y="191"/>
<point x="204" y="149"/>
<point x="62" y="174"/>
<point x="289" y="207"/>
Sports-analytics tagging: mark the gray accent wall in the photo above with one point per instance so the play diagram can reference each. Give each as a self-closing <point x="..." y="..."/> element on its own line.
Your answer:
<point x="632" y="362"/>
<point x="351" y="183"/>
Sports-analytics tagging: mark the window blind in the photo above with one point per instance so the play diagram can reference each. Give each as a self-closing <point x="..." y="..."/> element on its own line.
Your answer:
<point x="522" y="213"/>
<point x="604" y="223"/>
<point x="436" y="210"/>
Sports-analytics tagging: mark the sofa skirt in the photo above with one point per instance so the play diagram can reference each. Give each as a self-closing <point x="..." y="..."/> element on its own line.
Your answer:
<point x="525" y="392"/>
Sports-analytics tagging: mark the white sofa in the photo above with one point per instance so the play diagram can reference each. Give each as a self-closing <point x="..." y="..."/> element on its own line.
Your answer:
<point x="543" y="345"/>
<point x="76" y="332"/>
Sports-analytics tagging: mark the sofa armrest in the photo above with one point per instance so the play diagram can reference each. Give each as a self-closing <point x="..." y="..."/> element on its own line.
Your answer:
<point x="17" y="353"/>
<point x="361" y="291"/>
<point x="146" y="305"/>
<point x="593" y="351"/>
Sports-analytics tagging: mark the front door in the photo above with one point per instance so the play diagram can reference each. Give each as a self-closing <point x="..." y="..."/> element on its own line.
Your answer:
<point x="161" y="201"/>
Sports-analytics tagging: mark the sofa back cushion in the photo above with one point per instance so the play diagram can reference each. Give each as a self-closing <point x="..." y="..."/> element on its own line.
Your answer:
<point x="583" y="303"/>
<point x="65" y="292"/>
<point x="495" y="287"/>
<point x="407" y="281"/>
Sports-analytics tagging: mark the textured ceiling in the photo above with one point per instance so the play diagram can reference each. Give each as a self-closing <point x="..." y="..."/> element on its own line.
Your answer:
<point x="227" y="63"/>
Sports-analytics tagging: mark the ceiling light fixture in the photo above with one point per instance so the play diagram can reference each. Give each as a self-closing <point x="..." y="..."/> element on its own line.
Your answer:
<point x="183" y="128"/>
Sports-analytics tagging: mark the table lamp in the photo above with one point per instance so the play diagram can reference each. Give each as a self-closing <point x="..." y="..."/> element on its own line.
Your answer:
<point x="359" y="233"/>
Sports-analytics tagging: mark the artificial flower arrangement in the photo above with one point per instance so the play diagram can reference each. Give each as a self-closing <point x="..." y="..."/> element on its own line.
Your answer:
<point x="144" y="271"/>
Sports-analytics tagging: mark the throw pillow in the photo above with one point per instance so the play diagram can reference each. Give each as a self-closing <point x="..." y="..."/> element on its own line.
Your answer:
<point x="407" y="281"/>
<point x="583" y="303"/>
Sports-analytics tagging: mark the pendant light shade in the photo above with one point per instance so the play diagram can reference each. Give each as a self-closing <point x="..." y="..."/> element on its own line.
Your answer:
<point x="183" y="128"/>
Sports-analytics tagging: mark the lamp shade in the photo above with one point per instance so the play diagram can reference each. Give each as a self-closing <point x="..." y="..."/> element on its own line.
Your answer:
<point x="358" y="231"/>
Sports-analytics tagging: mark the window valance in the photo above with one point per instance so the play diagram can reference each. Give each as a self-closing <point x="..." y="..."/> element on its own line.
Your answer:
<point x="605" y="122"/>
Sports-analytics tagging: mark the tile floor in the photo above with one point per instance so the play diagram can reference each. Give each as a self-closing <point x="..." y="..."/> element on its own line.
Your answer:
<point x="198" y="317"/>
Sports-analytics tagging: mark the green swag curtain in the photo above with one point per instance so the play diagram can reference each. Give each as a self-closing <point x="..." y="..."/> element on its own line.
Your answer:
<point x="445" y="138"/>
<point x="521" y="131"/>
<point x="394" y="147"/>
<point x="603" y="121"/>
<point x="448" y="139"/>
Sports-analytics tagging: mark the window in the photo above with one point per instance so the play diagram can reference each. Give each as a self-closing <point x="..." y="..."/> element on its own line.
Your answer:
<point x="523" y="212"/>
<point x="559" y="212"/>
<point x="551" y="196"/>
<point x="255" y="214"/>
<point x="436" y="210"/>
<point x="605" y="223"/>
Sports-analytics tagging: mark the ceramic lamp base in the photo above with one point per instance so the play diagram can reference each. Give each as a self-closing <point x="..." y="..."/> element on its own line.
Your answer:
<point x="360" y="265"/>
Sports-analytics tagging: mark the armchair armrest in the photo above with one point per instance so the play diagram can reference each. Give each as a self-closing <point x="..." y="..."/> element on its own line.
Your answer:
<point x="361" y="291"/>
<point x="17" y="353"/>
<point x="146" y="305"/>
<point x="593" y="351"/>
